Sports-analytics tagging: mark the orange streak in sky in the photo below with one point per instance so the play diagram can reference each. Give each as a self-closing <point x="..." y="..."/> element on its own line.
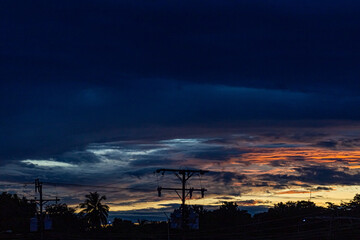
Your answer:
<point x="262" y="156"/>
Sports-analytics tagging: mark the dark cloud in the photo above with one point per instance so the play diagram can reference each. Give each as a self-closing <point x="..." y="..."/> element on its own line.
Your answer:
<point x="278" y="163"/>
<point x="78" y="157"/>
<point x="226" y="177"/>
<point x="323" y="189"/>
<point x="234" y="139"/>
<point x="277" y="145"/>
<point x="288" y="161"/>
<point x="296" y="158"/>
<point x="339" y="143"/>
<point x="250" y="202"/>
<point x="225" y="198"/>
<point x="77" y="72"/>
<point x="320" y="174"/>
<point x="153" y="162"/>
<point x="244" y="38"/>
<point x="220" y="141"/>
<point x="140" y="172"/>
<point x="326" y="144"/>
<point x="217" y="153"/>
<point x="350" y="143"/>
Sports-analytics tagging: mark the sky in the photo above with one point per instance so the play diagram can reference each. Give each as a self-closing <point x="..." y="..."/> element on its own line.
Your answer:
<point x="97" y="95"/>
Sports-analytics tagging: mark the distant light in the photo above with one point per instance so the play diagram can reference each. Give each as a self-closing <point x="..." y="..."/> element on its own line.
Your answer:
<point x="304" y="220"/>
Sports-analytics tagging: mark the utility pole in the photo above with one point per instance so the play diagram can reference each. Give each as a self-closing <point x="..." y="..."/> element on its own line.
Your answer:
<point x="41" y="202"/>
<point x="184" y="176"/>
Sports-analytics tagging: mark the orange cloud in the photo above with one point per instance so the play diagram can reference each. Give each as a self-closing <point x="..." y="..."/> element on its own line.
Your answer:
<point x="263" y="156"/>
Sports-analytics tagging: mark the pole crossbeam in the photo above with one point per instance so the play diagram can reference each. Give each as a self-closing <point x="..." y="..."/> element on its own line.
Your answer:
<point x="184" y="176"/>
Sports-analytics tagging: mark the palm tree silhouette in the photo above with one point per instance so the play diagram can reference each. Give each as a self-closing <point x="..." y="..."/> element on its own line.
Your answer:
<point x="95" y="212"/>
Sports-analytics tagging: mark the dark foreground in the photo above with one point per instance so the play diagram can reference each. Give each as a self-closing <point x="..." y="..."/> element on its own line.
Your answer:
<point x="319" y="229"/>
<point x="290" y="220"/>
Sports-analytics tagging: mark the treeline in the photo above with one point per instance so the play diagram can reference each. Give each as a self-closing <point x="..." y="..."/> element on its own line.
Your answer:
<point x="290" y="220"/>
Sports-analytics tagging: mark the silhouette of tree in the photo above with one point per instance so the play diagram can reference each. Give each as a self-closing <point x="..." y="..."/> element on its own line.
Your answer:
<point x="94" y="211"/>
<point x="332" y="206"/>
<point x="228" y="218"/>
<point x="351" y="208"/>
<point x="15" y="213"/>
<point x="293" y="208"/>
<point x="230" y="214"/>
<point x="63" y="217"/>
<point x="199" y="209"/>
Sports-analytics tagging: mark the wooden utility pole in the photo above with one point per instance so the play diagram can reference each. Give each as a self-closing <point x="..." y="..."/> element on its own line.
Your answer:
<point x="184" y="176"/>
<point x="41" y="202"/>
